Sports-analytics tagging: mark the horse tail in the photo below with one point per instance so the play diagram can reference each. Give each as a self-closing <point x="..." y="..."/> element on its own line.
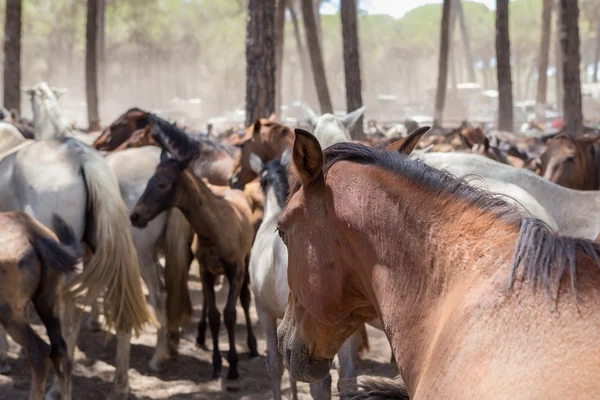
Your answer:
<point x="61" y="256"/>
<point x="379" y="388"/>
<point x="178" y="257"/>
<point x="113" y="269"/>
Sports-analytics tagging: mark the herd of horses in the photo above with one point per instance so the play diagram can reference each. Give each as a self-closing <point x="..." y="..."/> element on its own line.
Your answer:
<point x="476" y="253"/>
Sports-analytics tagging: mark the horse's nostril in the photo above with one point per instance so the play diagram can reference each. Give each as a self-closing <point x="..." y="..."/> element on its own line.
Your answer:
<point x="134" y="217"/>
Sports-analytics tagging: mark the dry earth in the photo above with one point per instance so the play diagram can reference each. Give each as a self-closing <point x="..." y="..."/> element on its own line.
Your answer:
<point x="186" y="377"/>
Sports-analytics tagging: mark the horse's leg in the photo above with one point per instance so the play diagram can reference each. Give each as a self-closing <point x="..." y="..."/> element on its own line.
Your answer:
<point x="214" y="318"/>
<point x="347" y="356"/>
<point x="201" y="338"/>
<point x="245" y="300"/>
<point x="274" y="362"/>
<point x="229" y="314"/>
<point x="4" y="366"/>
<point x="37" y="352"/>
<point x="93" y="320"/>
<point x="44" y="301"/>
<point x="294" y="388"/>
<point x="70" y="318"/>
<point x="121" y="380"/>
<point x="321" y="390"/>
<point x="151" y="270"/>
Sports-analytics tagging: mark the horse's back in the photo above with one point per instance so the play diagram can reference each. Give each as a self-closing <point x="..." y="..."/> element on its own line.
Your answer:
<point x="45" y="178"/>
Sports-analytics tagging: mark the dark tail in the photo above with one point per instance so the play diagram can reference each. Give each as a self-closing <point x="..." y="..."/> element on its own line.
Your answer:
<point x="379" y="388"/>
<point x="61" y="257"/>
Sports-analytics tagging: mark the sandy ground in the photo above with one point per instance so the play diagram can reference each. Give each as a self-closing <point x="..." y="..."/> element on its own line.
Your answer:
<point x="188" y="376"/>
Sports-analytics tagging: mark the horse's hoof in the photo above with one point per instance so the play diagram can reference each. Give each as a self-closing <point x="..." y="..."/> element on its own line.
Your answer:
<point x="216" y="375"/>
<point x="93" y="325"/>
<point x="254" y="353"/>
<point x="202" y="347"/>
<point x="232" y="375"/>
<point x="157" y="365"/>
<point x="4" y="368"/>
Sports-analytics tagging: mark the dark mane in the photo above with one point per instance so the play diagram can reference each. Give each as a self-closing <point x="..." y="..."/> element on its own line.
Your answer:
<point x="181" y="142"/>
<point x="275" y="174"/>
<point x="543" y="255"/>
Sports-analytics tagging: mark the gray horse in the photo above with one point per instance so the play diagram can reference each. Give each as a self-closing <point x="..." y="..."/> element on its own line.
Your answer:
<point x="330" y="129"/>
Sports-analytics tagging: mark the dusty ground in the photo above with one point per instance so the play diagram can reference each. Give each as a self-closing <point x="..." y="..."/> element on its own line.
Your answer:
<point x="186" y="377"/>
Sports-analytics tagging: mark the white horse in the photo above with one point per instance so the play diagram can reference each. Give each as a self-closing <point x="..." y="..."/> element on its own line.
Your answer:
<point x="330" y="129"/>
<point x="576" y="212"/>
<point x="268" y="281"/>
<point x="70" y="179"/>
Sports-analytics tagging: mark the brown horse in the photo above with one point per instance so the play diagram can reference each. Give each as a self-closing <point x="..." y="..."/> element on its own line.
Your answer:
<point x="224" y="231"/>
<point x="572" y="162"/>
<point x="139" y="138"/>
<point x="266" y="138"/>
<point x="120" y="130"/>
<point x="32" y="260"/>
<point x="463" y="284"/>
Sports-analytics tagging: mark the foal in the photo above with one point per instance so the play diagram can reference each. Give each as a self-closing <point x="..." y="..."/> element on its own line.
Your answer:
<point x="31" y="263"/>
<point x="223" y="225"/>
<point x="477" y="302"/>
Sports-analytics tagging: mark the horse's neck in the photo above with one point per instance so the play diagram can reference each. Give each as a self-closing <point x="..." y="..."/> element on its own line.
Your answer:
<point x="51" y="123"/>
<point x="271" y="204"/>
<point x="202" y="207"/>
<point x="410" y="282"/>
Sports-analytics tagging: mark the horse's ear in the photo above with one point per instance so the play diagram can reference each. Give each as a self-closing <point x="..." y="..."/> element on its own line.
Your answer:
<point x="310" y="115"/>
<point x="308" y="157"/>
<point x="286" y="157"/>
<point x="59" y="92"/>
<point x="256" y="163"/>
<point x="407" y="145"/>
<point x="350" y="119"/>
<point x="273" y="118"/>
<point x="256" y="127"/>
<point x="588" y="140"/>
<point x="164" y="156"/>
<point x="30" y="91"/>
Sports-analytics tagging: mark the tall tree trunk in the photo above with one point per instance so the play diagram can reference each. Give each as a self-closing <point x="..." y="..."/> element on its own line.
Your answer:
<point x="352" y="64"/>
<point x="102" y="46"/>
<point x="260" y="60"/>
<point x="279" y="43"/>
<point x="91" y="65"/>
<point x="466" y="41"/>
<point x="307" y="79"/>
<point x="542" y="83"/>
<point x="316" y="57"/>
<point x="12" y="55"/>
<point x="558" y="60"/>
<point x="442" y="80"/>
<point x="571" y="61"/>
<point x="597" y="53"/>
<point x="505" y="97"/>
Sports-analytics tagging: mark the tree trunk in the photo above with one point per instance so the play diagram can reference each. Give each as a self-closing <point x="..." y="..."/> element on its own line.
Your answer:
<point x="279" y="43"/>
<point x="12" y="55"/>
<point x="442" y="65"/>
<point x="352" y="64"/>
<point x="571" y="61"/>
<point x="307" y="79"/>
<point x="91" y="65"/>
<point x="102" y="46"/>
<point x="260" y="60"/>
<point x="470" y="66"/>
<point x="505" y="97"/>
<point x="316" y="57"/>
<point x="558" y="60"/>
<point x="542" y="83"/>
<point x="597" y="53"/>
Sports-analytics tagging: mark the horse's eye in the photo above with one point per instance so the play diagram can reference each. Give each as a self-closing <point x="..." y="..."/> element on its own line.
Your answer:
<point x="570" y="159"/>
<point x="163" y="185"/>
<point x="281" y="234"/>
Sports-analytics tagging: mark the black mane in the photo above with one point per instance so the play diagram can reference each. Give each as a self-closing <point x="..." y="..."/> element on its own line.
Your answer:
<point x="543" y="255"/>
<point x="275" y="174"/>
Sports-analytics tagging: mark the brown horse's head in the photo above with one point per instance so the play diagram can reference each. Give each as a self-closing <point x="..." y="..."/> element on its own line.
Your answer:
<point x="571" y="162"/>
<point x="328" y="298"/>
<point x="161" y="192"/>
<point x="121" y="129"/>
<point x="139" y="138"/>
<point x="266" y="138"/>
